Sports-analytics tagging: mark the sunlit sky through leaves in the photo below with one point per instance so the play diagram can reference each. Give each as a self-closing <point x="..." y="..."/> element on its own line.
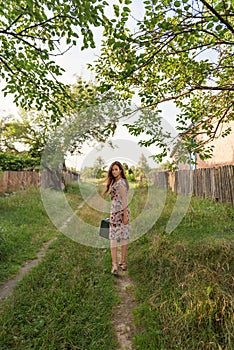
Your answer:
<point x="74" y="62"/>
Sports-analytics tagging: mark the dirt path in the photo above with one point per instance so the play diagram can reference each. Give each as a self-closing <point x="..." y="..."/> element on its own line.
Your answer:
<point x="8" y="287"/>
<point x="122" y="314"/>
<point x="123" y="318"/>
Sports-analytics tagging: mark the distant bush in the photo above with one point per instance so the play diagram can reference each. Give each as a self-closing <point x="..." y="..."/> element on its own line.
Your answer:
<point x="131" y="177"/>
<point x="9" y="161"/>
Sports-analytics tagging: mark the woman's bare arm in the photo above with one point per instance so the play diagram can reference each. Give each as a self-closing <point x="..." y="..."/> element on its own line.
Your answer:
<point x="123" y="194"/>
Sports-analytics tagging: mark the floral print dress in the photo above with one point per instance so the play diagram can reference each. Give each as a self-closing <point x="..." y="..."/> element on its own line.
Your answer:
<point x="118" y="230"/>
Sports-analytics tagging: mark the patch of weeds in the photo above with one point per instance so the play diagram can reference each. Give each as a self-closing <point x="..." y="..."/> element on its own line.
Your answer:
<point x="64" y="303"/>
<point x="24" y="228"/>
<point x="184" y="280"/>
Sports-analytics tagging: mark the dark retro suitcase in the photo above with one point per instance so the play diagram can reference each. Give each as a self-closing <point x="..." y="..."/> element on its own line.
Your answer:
<point x="104" y="228"/>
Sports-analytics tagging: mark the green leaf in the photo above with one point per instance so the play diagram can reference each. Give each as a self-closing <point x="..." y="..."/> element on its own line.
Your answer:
<point x="126" y="9"/>
<point x="219" y="27"/>
<point x="210" y="25"/>
<point x="116" y="10"/>
<point x="177" y="4"/>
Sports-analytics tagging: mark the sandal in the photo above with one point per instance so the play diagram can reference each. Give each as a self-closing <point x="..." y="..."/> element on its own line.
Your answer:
<point x="114" y="270"/>
<point x="123" y="266"/>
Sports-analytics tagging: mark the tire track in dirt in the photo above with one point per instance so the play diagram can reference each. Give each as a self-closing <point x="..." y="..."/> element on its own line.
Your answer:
<point x="122" y="314"/>
<point x="7" y="288"/>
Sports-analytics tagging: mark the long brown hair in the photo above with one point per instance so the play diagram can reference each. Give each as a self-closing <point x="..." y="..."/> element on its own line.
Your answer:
<point x="111" y="178"/>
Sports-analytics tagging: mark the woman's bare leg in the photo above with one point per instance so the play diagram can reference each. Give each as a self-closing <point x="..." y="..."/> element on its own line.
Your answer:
<point x="114" y="251"/>
<point x="124" y="246"/>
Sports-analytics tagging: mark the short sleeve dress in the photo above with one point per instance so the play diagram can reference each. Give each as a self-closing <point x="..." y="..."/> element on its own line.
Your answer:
<point x="118" y="231"/>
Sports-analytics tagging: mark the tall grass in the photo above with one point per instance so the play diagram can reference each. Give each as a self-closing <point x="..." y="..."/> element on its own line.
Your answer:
<point x="185" y="280"/>
<point x="24" y="226"/>
<point x="66" y="301"/>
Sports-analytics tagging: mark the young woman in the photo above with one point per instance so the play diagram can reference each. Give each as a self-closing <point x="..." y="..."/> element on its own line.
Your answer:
<point x="117" y="186"/>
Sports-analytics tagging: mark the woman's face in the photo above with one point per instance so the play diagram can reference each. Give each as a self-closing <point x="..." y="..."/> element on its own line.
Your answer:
<point x="116" y="171"/>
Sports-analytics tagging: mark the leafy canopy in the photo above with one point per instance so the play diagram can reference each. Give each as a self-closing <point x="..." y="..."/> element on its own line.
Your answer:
<point x="93" y="117"/>
<point x="32" y="33"/>
<point x="180" y="51"/>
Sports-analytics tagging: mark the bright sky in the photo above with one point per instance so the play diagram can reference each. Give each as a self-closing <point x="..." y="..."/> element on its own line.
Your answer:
<point x="74" y="62"/>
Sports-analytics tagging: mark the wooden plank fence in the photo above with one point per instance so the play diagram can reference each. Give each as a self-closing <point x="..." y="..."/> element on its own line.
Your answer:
<point x="70" y="176"/>
<point x="12" y="181"/>
<point x="215" y="183"/>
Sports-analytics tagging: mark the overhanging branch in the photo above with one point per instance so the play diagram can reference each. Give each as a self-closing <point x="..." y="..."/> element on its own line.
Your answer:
<point x="224" y="21"/>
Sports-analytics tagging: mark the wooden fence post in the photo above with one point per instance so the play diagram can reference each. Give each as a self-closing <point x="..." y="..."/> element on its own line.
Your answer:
<point x="215" y="183"/>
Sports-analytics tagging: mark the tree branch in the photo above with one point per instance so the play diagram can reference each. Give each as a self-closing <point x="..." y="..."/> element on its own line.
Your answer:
<point x="23" y="40"/>
<point x="16" y="20"/>
<point x="220" y="119"/>
<point x="6" y="64"/>
<point x="224" y="21"/>
<point x="215" y="88"/>
<point x="44" y="22"/>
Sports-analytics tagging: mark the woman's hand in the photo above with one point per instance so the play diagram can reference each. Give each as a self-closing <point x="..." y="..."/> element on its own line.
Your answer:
<point x="125" y="220"/>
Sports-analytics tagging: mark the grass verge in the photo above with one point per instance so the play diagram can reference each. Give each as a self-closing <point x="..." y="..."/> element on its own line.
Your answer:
<point x="63" y="303"/>
<point x="24" y="227"/>
<point x="66" y="301"/>
<point x="184" y="280"/>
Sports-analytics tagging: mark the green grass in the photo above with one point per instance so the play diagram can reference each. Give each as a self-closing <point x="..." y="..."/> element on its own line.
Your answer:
<point x="184" y="280"/>
<point x="73" y="195"/>
<point x="24" y="226"/>
<point x="66" y="301"/>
